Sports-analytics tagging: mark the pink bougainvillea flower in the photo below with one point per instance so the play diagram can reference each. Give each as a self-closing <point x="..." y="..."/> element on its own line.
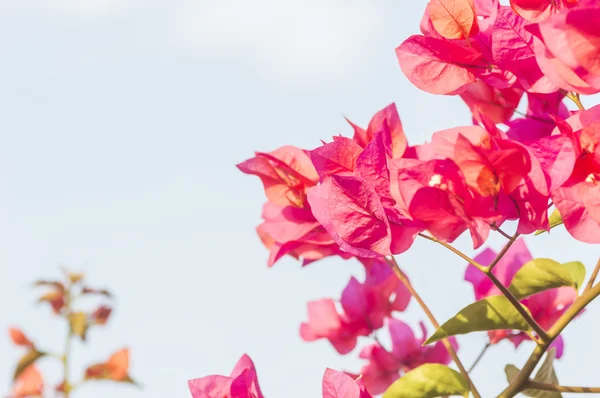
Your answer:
<point x="453" y="19"/>
<point x="389" y="119"/>
<point x="545" y="307"/>
<point x="496" y="167"/>
<point x="577" y="199"/>
<point x="29" y="384"/>
<point x="496" y="104"/>
<point x="341" y="385"/>
<point x="385" y="367"/>
<point x="439" y="66"/>
<point x="434" y="193"/>
<point x="566" y="47"/>
<point x="242" y="383"/>
<point x="286" y="173"/>
<point x="365" y="306"/>
<point x="537" y="10"/>
<point x="512" y="50"/>
<point x="351" y="210"/>
<point x="537" y="122"/>
<point x="294" y="231"/>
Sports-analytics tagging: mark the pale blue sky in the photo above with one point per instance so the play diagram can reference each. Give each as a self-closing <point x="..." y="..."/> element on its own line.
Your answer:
<point x="121" y="124"/>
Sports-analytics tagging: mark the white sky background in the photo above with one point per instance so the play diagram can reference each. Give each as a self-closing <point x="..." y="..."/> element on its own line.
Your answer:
<point x="121" y="124"/>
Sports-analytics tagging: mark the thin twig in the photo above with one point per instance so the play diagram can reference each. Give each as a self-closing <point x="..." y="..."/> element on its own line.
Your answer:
<point x="483" y="351"/>
<point x="552" y="387"/>
<point x="519" y="307"/>
<point x="593" y="277"/>
<point x="575" y="98"/>
<point x="500" y="231"/>
<point x="404" y="279"/>
<point x="511" y="240"/>
<point x="455" y="251"/>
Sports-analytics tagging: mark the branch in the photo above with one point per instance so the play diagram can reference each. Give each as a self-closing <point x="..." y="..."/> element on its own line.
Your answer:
<point x="483" y="351"/>
<point x="522" y="378"/>
<point x="519" y="307"/>
<point x="488" y="271"/>
<point x="404" y="279"/>
<point x="551" y="387"/>
<point x="455" y="251"/>
<point x="593" y="277"/>
<point x="511" y="240"/>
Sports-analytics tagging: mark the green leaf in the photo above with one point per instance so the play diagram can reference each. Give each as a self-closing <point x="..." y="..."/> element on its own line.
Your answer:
<point x="545" y="375"/>
<point x="429" y="381"/>
<point x="577" y="272"/>
<point x="542" y="274"/>
<point x="554" y="220"/>
<point x="538" y="275"/>
<point x="27" y="360"/>
<point x="491" y="313"/>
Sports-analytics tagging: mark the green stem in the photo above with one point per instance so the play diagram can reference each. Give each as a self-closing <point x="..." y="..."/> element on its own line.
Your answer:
<point x="519" y="383"/>
<point x="593" y="276"/>
<point x="455" y="251"/>
<point x="575" y="98"/>
<point x="404" y="279"/>
<point x="552" y="387"/>
<point x="67" y="352"/>
<point x="488" y="271"/>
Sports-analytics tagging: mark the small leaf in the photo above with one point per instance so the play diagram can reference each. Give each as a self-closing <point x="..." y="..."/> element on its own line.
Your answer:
<point x="538" y="275"/>
<point x="75" y="277"/>
<point x="554" y="220"/>
<point x="545" y="375"/>
<point x="79" y="324"/>
<point x="55" y="284"/>
<point x="27" y="360"/>
<point x="577" y="271"/>
<point x="542" y="274"/>
<point x="491" y="313"/>
<point x="429" y="381"/>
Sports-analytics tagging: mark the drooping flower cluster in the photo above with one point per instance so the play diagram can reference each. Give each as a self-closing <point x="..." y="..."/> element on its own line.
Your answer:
<point x="243" y="383"/>
<point x="371" y="195"/>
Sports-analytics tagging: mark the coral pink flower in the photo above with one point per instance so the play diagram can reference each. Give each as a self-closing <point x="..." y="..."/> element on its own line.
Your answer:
<point x="407" y="353"/>
<point x="29" y="384"/>
<point x="242" y="383"/>
<point x="545" y="307"/>
<point x="578" y="198"/>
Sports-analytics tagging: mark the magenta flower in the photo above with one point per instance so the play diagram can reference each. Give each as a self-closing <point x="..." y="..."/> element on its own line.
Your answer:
<point x="407" y="352"/>
<point x="242" y="383"/>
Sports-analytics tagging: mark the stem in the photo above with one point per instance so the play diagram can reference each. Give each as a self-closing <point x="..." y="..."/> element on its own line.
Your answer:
<point x="511" y="240"/>
<point x="519" y="307"/>
<point x="67" y="352"/>
<point x="593" y="277"/>
<point x="404" y="279"/>
<point x="455" y="251"/>
<point x="552" y="387"/>
<point x="488" y="271"/>
<point x="485" y="348"/>
<point x="523" y="377"/>
<point x="575" y="98"/>
<point x="501" y="232"/>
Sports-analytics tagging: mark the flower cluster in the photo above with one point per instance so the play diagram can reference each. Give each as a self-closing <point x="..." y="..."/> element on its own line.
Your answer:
<point x="371" y="194"/>
<point x="62" y="296"/>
